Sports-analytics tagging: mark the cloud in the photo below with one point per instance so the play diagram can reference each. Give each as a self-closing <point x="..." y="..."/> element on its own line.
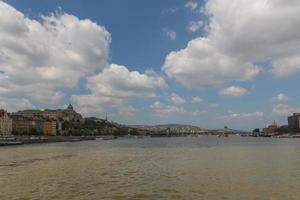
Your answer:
<point x="192" y="5"/>
<point x="114" y="86"/>
<point x="176" y="99"/>
<point x="214" y="105"/>
<point x="39" y="59"/>
<point x="117" y="81"/>
<point x="233" y="91"/>
<point x="240" y="34"/>
<point x="15" y="104"/>
<point x="170" y="33"/>
<point x="244" y="115"/>
<point x="199" y="112"/>
<point x="284" y="110"/>
<point x="200" y="64"/>
<point x="195" y="25"/>
<point x="196" y="100"/>
<point x="128" y="111"/>
<point x="286" y="66"/>
<point x="163" y="110"/>
<point x="280" y="98"/>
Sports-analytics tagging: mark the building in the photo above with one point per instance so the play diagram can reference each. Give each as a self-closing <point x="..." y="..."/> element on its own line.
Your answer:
<point x="5" y="123"/>
<point x="49" y="128"/>
<point x="271" y="128"/>
<point x="26" y="126"/>
<point x="39" y="122"/>
<point x="68" y="114"/>
<point x="30" y="113"/>
<point x="294" y="122"/>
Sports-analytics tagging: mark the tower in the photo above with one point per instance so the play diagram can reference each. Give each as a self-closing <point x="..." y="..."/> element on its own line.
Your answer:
<point x="70" y="107"/>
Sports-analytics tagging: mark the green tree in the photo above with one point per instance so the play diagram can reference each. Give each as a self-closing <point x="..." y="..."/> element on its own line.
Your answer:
<point x="283" y="129"/>
<point x="255" y="130"/>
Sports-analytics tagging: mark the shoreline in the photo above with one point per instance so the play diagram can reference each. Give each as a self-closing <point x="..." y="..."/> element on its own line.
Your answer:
<point x="26" y="140"/>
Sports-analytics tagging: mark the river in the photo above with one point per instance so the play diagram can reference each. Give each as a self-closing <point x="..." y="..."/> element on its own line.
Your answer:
<point x="205" y="167"/>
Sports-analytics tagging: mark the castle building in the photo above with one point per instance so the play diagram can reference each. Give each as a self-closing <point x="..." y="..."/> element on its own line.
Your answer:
<point x="68" y="114"/>
<point x="5" y="123"/>
<point x="47" y="122"/>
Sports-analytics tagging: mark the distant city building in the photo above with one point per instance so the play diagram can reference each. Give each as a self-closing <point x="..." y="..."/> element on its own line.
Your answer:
<point x="49" y="128"/>
<point x="271" y="128"/>
<point x="294" y="122"/>
<point x="5" y="123"/>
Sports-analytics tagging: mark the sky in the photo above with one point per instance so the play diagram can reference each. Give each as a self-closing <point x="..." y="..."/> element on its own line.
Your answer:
<point x="211" y="63"/>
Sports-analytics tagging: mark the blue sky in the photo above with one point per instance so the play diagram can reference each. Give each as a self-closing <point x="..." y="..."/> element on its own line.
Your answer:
<point x="240" y="72"/>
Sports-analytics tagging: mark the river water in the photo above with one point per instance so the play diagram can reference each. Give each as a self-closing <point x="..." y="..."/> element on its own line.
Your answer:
<point x="153" y="168"/>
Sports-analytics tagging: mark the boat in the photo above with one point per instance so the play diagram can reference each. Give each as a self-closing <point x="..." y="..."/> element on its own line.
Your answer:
<point x="75" y="140"/>
<point x="106" y="137"/>
<point x="10" y="142"/>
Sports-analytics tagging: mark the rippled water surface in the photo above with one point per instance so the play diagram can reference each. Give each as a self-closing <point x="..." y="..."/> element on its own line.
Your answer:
<point x="153" y="168"/>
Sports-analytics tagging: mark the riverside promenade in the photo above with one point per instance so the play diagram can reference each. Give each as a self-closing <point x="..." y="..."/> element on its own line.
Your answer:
<point x="20" y="140"/>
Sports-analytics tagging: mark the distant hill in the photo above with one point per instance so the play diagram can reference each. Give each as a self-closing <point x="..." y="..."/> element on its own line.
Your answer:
<point x="187" y="126"/>
<point x="176" y="126"/>
<point x="165" y="126"/>
<point x="228" y="130"/>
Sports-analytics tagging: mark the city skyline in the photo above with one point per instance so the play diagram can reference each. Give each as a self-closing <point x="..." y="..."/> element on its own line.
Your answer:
<point x="209" y="64"/>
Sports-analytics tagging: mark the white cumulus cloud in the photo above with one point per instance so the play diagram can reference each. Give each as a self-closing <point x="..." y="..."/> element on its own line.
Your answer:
<point x="170" y="33"/>
<point x="280" y="98"/>
<point x="194" y="26"/>
<point x="191" y="4"/>
<point x="284" y="110"/>
<point x="15" y="104"/>
<point x="164" y="110"/>
<point x="240" y="34"/>
<point x="40" y="58"/>
<point x="233" y="91"/>
<point x="176" y="99"/>
<point x="196" y="100"/>
<point x="244" y="115"/>
<point x="201" y="64"/>
<point x="114" y="86"/>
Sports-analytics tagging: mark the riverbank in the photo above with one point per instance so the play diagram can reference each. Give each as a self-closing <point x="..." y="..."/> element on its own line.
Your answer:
<point x="22" y="140"/>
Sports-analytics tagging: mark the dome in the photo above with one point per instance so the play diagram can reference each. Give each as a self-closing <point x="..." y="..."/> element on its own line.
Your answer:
<point x="70" y="107"/>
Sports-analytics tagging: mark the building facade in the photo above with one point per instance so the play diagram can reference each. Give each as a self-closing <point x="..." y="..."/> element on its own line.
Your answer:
<point x="271" y="128"/>
<point x="5" y="123"/>
<point x="68" y="114"/>
<point x="26" y="126"/>
<point x="294" y="122"/>
<point x="49" y="128"/>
